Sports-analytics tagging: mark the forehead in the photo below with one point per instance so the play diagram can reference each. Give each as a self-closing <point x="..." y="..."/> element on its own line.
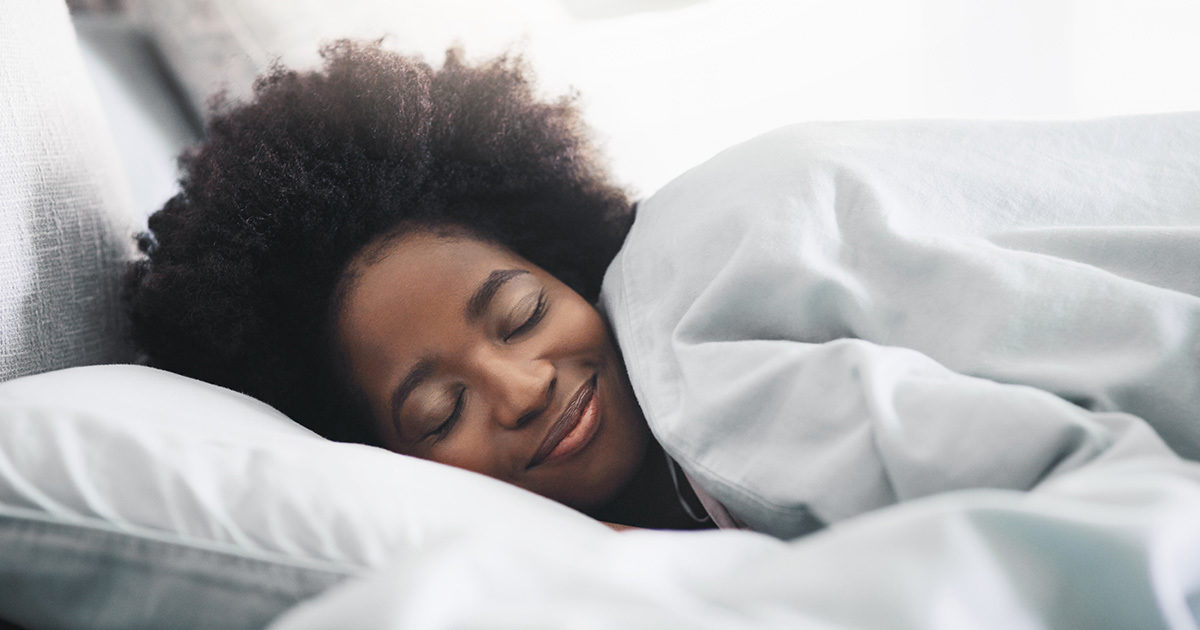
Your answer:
<point x="407" y="297"/>
<point x="417" y="274"/>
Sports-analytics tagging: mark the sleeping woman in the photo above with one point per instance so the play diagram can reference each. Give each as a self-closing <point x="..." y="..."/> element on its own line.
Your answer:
<point x="427" y="260"/>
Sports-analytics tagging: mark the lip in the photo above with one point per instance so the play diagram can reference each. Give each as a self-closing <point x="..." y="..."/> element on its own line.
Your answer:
<point x="573" y="429"/>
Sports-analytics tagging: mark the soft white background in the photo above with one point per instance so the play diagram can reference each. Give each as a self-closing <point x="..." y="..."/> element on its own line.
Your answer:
<point x="839" y="59"/>
<point x="667" y="83"/>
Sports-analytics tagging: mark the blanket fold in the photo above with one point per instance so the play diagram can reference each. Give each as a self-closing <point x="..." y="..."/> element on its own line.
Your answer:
<point x="832" y="318"/>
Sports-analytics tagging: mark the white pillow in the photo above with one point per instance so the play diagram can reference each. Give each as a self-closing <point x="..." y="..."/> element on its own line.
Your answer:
<point x="136" y="494"/>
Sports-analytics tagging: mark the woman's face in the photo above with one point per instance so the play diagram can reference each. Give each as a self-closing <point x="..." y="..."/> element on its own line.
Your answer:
<point x="472" y="356"/>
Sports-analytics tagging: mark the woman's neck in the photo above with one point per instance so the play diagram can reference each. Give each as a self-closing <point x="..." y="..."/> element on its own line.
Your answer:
<point x="650" y="500"/>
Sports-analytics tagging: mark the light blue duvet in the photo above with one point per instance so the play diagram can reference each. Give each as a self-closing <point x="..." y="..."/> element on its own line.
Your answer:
<point x="832" y="318"/>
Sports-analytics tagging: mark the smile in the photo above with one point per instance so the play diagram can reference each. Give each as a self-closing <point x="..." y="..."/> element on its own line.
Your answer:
<point x="574" y="428"/>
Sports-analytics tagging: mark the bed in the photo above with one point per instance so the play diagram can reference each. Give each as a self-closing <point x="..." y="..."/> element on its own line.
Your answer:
<point x="131" y="497"/>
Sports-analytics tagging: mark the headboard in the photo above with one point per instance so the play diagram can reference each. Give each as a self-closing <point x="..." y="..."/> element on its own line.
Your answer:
<point x="65" y="216"/>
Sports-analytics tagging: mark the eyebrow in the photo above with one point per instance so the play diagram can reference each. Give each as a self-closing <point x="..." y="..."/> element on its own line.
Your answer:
<point x="479" y="302"/>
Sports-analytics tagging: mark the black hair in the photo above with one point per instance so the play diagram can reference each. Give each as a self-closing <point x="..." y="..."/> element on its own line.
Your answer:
<point x="239" y="276"/>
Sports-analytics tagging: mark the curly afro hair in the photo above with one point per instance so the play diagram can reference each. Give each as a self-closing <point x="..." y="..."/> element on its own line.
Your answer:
<point x="240" y="271"/>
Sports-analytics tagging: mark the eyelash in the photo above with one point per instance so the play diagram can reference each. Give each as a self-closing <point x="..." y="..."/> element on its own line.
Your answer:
<point x="444" y="428"/>
<point x="539" y="311"/>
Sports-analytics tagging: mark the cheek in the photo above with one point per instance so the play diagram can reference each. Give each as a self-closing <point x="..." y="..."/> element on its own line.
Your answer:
<point x="472" y="450"/>
<point x="581" y="327"/>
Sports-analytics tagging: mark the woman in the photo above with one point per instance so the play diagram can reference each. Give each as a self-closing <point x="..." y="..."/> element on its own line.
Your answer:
<point x="409" y="257"/>
<point x="263" y="274"/>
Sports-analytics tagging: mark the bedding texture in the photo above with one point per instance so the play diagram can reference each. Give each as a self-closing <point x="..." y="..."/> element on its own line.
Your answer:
<point x="1111" y="546"/>
<point x="129" y="496"/>
<point x="832" y="318"/>
<point x="65" y="217"/>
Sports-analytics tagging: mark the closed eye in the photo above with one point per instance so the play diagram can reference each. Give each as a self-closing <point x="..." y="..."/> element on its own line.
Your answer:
<point x="442" y="429"/>
<point x="539" y="311"/>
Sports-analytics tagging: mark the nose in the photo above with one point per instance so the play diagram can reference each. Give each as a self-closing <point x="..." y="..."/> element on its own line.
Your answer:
<point x="519" y="388"/>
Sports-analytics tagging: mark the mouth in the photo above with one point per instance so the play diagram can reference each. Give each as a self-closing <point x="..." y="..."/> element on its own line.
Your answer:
<point x="573" y="429"/>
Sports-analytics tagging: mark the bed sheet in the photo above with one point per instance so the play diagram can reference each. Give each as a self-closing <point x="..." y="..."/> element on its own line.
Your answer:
<point x="1111" y="546"/>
